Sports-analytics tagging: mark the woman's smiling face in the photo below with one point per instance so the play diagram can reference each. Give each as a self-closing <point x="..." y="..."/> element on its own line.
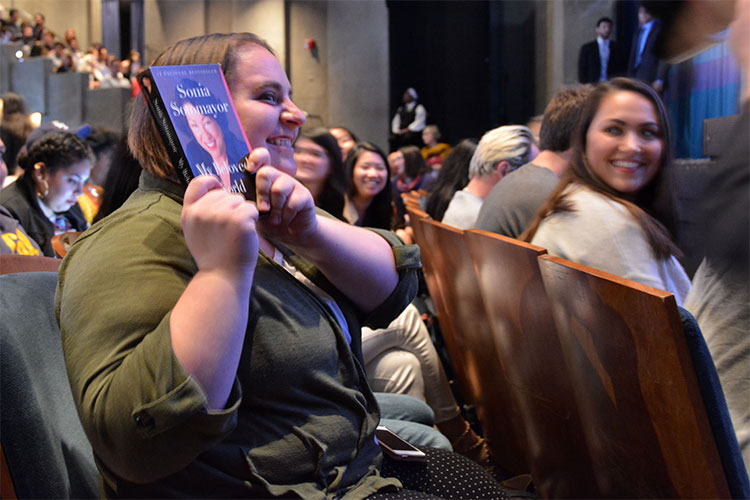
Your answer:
<point x="262" y="96"/>
<point x="369" y="175"/>
<point x="624" y="145"/>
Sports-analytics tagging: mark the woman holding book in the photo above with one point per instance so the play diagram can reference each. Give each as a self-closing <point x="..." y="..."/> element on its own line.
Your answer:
<point x="614" y="208"/>
<point x="214" y="145"/>
<point x="236" y="371"/>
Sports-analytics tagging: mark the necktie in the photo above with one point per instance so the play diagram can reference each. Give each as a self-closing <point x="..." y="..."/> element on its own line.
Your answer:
<point x="641" y="44"/>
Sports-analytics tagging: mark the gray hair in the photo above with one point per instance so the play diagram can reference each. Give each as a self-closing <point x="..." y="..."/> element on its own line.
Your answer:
<point x="511" y="143"/>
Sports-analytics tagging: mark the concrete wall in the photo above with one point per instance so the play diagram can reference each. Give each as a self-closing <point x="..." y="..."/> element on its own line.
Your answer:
<point x="344" y="81"/>
<point x="308" y="69"/>
<point x="358" y="71"/>
<point x="168" y="21"/>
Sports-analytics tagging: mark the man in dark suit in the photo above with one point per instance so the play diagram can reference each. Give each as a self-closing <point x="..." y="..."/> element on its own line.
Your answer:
<point x="600" y="59"/>
<point x="643" y="63"/>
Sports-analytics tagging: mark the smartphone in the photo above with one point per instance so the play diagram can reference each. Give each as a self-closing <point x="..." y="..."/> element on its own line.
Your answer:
<point x="397" y="448"/>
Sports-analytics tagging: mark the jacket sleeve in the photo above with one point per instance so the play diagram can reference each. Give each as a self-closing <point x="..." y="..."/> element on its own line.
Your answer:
<point x="145" y="418"/>
<point x="407" y="265"/>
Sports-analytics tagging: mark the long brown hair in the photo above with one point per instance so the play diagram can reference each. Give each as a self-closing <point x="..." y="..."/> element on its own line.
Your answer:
<point x="218" y="48"/>
<point x="653" y="206"/>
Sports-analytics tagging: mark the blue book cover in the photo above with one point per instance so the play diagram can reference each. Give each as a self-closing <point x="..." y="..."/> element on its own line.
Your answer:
<point x="196" y="117"/>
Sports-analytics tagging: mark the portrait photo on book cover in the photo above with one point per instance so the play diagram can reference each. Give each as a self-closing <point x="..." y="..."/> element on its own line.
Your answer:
<point x="204" y="121"/>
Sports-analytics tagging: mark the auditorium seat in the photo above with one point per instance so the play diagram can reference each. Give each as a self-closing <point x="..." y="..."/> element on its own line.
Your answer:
<point x="474" y="344"/>
<point x="520" y="319"/>
<point x="45" y="449"/>
<point x="643" y="416"/>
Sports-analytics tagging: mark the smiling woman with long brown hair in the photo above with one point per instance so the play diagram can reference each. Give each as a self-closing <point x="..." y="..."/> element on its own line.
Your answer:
<point x="614" y="208"/>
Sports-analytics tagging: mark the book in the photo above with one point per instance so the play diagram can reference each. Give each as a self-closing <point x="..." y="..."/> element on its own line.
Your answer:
<point x="197" y="121"/>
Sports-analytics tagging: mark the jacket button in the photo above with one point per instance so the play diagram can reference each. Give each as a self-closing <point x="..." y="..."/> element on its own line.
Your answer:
<point x="143" y="419"/>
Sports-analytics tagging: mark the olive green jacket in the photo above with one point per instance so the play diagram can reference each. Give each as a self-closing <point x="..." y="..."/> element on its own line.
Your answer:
<point x="301" y="417"/>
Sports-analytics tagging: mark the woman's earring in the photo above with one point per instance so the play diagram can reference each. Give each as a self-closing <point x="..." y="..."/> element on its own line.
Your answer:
<point x="46" y="189"/>
<point x="38" y="168"/>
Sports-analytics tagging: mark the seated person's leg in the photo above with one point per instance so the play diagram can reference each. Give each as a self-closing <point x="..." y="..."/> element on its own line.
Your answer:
<point x="395" y="371"/>
<point x="418" y="434"/>
<point x="404" y="407"/>
<point x="444" y="474"/>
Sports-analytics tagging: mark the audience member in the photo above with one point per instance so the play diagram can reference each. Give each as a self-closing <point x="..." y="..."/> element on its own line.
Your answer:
<point x="513" y="202"/>
<point x="13" y="239"/>
<point x="535" y="125"/>
<point x="75" y="52"/>
<point x="415" y="175"/>
<point x="433" y="152"/>
<point x="38" y="25"/>
<point x="643" y="63"/>
<point x="69" y="36"/>
<point x="121" y="181"/>
<point x="320" y="169"/>
<point x="408" y="122"/>
<point x="400" y="358"/>
<point x="396" y="164"/>
<point x="134" y="64"/>
<point x="12" y="23"/>
<point x="600" y="59"/>
<point x="452" y="177"/>
<point x="15" y="127"/>
<point x="279" y="405"/>
<point x="43" y="199"/>
<point x="56" y="56"/>
<point x="720" y="297"/>
<point x="369" y="197"/>
<point x="28" y="40"/>
<point x="614" y="208"/>
<point x="345" y="138"/>
<point x="499" y="152"/>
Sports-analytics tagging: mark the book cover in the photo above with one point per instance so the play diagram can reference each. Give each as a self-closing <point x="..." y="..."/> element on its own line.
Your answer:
<point x="196" y="118"/>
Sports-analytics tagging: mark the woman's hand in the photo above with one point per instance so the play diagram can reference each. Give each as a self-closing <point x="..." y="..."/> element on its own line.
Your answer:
<point x="292" y="219"/>
<point x="219" y="228"/>
<point x="208" y="321"/>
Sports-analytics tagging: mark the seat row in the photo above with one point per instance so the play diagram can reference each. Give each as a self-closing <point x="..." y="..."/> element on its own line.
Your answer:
<point x="586" y="380"/>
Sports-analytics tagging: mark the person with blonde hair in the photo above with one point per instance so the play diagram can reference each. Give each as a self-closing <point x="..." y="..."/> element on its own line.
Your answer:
<point x="499" y="152"/>
<point x="434" y="152"/>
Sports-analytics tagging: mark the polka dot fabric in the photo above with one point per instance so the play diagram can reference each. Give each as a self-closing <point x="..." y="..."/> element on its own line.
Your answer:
<point x="444" y="474"/>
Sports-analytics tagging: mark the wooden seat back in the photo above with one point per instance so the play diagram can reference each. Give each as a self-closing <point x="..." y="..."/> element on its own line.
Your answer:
<point x="445" y="320"/>
<point x="411" y="199"/>
<point x="643" y="418"/>
<point x="10" y="263"/>
<point x="474" y="344"/>
<point x="520" y="318"/>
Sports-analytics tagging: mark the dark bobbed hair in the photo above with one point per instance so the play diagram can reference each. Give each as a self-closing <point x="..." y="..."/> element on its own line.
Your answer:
<point x="14" y="103"/>
<point x="217" y="48"/>
<point x="380" y="213"/>
<point x="331" y="198"/>
<point x="654" y="205"/>
<point x="57" y="150"/>
<point x="121" y="181"/>
<point x="453" y="176"/>
<point x="414" y="164"/>
<point x="348" y="131"/>
<point x="561" y="116"/>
